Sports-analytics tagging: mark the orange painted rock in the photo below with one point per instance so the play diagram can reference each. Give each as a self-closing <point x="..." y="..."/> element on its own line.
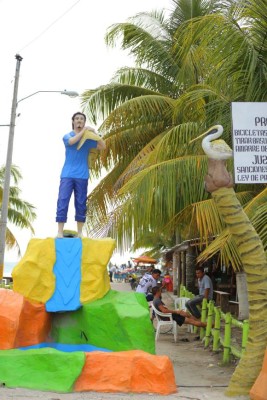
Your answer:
<point x="10" y="308"/>
<point x="22" y="323"/>
<point x="34" y="324"/>
<point x="127" y="371"/>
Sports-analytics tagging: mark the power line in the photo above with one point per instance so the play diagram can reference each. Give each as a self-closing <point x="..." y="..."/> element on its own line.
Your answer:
<point x="49" y="26"/>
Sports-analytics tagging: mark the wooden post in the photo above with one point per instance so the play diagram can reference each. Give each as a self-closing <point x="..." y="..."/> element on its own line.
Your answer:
<point x="179" y="269"/>
<point x="184" y="268"/>
<point x="242" y="293"/>
<point x="222" y="300"/>
<point x="176" y="279"/>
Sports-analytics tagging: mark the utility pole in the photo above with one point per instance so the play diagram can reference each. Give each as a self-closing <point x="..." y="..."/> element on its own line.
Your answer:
<point x="5" y="198"/>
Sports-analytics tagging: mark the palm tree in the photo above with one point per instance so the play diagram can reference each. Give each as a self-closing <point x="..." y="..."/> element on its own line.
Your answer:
<point x="20" y="212"/>
<point x="146" y="130"/>
<point x="153" y="113"/>
<point x="189" y="68"/>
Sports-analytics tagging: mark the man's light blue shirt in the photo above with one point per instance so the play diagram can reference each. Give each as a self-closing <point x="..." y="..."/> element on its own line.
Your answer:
<point x="76" y="161"/>
<point x="205" y="283"/>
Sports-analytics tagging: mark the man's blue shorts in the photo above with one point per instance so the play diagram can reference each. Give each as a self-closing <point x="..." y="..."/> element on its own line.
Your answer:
<point x="66" y="188"/>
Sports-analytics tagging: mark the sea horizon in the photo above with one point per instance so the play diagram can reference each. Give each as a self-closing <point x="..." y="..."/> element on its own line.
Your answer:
<point x="8" y="268"/>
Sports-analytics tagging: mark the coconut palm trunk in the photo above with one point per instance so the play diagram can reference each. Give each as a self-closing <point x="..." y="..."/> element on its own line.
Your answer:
<point x="255" y="265"/>
<point x="220" y="184"/>
<point x="190" y="269"/>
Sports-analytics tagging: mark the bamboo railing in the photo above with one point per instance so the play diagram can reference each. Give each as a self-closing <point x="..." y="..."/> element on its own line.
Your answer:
<point x="219" y="329"/>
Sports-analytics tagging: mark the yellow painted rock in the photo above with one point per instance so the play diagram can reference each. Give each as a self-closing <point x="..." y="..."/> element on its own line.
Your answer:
<point x="33" y="276"/>
<point x="64" y="273"/>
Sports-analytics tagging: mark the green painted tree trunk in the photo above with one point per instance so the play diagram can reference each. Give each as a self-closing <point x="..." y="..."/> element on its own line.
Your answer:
<point x="255" y="265"/>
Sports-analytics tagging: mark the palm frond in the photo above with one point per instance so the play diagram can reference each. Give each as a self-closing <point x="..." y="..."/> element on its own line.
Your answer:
<point x="148" y="189"/>
<point x="145" y="78"/>
<point x="100" y="102"/>
<point x="256" y="210"/>
<point x="141" y="44"/>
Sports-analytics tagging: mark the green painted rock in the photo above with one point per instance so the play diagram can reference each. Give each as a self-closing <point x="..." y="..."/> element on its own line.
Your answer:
<point x="119" y="321"/>
<point x="40" y="369"/>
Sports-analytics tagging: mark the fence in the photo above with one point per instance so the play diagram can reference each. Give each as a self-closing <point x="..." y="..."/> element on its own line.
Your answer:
<point x="219" y="329"/>
<point x="6" y="284"/>
<point x="121" y="276"/>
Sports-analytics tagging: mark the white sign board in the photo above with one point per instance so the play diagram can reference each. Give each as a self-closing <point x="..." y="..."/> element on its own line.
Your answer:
<point x="249" y="127"/>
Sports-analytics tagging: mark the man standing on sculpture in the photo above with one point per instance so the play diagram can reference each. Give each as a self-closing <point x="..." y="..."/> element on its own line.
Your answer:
<point x="75" y="173"/>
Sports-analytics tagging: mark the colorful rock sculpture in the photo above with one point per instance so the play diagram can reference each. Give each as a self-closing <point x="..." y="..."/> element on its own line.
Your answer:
<point x="119" y="321"/>
<point x="66" y="330"/>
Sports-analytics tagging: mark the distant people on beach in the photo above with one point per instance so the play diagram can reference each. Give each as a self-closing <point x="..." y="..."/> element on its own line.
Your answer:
<point x="112" y="272"/>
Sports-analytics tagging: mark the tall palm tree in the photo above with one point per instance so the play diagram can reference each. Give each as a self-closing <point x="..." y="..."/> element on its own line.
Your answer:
<point x="20" y="212"/>
<point x="146" y="133"/>
<point x="238" y="73"/>
<point x="190" y="66"/>
<point x="160" y="125"/>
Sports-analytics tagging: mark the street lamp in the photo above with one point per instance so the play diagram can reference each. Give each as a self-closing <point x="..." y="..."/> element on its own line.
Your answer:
<point x="5" y="196"/>
<point x="69" y="93"/>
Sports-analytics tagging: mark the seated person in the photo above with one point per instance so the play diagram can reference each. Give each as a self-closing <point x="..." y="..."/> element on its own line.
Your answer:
<point x="147" y="282"/>
<point x="205" y="288"/>
<point x="179" y="316"/>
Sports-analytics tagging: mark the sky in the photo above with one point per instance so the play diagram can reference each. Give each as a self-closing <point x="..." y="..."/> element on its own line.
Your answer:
<point x="63" y="48"/>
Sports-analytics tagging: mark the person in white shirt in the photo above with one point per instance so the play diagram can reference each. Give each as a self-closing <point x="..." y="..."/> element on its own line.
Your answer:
<point x="147" y="282"/>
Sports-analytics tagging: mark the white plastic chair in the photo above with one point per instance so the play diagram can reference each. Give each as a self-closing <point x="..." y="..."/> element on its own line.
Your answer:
<point x="179" y="303"/>
<point x="169" y="322"/>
